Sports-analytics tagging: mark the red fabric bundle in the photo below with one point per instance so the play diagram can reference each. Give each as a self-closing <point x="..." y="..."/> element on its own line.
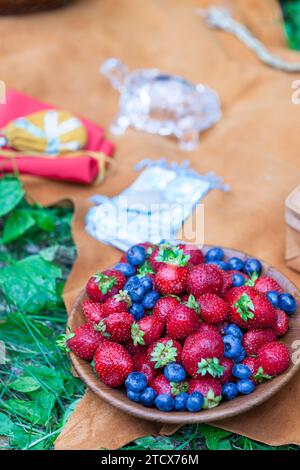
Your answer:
<point x="84" y="169"/>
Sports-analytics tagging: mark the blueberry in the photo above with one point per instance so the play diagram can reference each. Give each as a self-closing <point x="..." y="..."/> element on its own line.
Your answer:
<point x="241" y="371"/>
<point x="136" y="255"/>
<point x="150" y="300"/>
<point x="174" y="372"/>
<point x="214" y="254"/>
<point x="252" y="266"/>
<point x="233" y="330"/>
<point x="241" y="356"/>
<point x="236" y="264"/>
<point x="148" y="396"/>
<point x="245" y="386"/>
<point x="125" y="268"/>
<point x="147" y="283"/>
<point x="136" y="293"/>
<point x="229" y="391"/>
<point x="195" y="402"/>
<point x="237" y="280"/>
<point x="136" y="382"/>
<point x="287" y="303"/>
<point x="180" y="401"/>
<point x="137" y="310"/>
<point x="132" y="283"/>
<point x="133" y="396"/>
<point x="232" y="346"/>
<point x="220" y="264"/>
<point x="273" y="297"/>
<point x="164" y="402"/>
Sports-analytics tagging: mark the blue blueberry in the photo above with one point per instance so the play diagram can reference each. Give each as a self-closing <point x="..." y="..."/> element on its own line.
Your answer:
<point x="245" y="387"/>
<point x="136" y="293"/>
<point x="125" y="268"/>
<point x="233" y="330"/>
<point x="273" y="297"/>
<point x="147" y="283"/>
<point x="220" y="264"/>
<point x="236" y="264"/>
<point x="229" y="391"/>
<point x="232" y="346"/>
<point x="241" y="371"/>
<point x="237" y="280"/>
<point x="136" y="382"/>
<point x="148" y="396"/>
<point x="287" y="303"/>
<point x="164" y="402"/>
<point x="252" y="266"/>
<point x="132" y="283"/>
<point x="241" y="356"/>
<point x="136" y="255"/>
<point x="214" y="254"/>
<point x="195" y="402"/>
<point x="133" y="396"/>
<point x="180" y="401"/>
<point x="150" y="300"/>
<point x="174" y="372"/>
<point x="137" y="311"/>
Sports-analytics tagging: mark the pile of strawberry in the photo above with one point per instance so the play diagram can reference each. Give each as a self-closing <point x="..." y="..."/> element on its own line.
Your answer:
<point x="183" y="330"/>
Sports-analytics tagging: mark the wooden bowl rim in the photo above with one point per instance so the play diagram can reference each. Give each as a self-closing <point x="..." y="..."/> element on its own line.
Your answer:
<point x="227" y="409"/>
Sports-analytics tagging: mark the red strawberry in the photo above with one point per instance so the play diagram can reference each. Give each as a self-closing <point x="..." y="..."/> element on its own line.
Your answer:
<point x="112" y="363"/>
<point x="213" y="309"/>
<point x="147" y="330"/>
<point x="265" y="283"/>
<point x="205" y="327"/>
<point x="257" y="372"/>
<point x="157" y="257"/>
<point x="233" y="294"/>
<point x="253" y="310"/>
<point x="163" y="352"/>
<point x="134" y="350"/>
<point x="84" y="341"/>
<point x="210" y="388"/>
<point x="104" y="285"/>
<point x="118" y="303"/>
<point x="184" y="320"/>
<point x="94" y="312"/>
<point x="253" y="365"/>
<point x="142" y="364"/>
<point x="227" y="364"/>
<point x="204" y="279"/>
<point x="282" y="323"/>
<point x="195" y="254"/>
<point x="201" y="354"/>
<point x="117" y="326"/>
<point x="254" y="339"/>
<point x="164" y="306"/>
<point x="161" y="385"/>
<point x="227" y="282"/>
<point x="274" y="358"/>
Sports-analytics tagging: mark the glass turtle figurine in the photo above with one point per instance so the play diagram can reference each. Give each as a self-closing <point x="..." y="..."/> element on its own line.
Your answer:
<point x="161" y="104"/>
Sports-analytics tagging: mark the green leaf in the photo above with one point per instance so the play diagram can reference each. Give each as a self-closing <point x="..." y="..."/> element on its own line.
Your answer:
<point x="214" y="438"/>
<point x="37" y="411"/>
<point x="25" y="384"/>
<point x="6" y="425"/>
<point x="251" y="281"/>
<point x="44" y="219"/>
<point x="30" y="284"/>
<point x="245" y="307"/>
<point x="11" y="193"/>
<point x="210" y="366"/>
<point x="49" y="253"/>
<point x="16" y="225"/>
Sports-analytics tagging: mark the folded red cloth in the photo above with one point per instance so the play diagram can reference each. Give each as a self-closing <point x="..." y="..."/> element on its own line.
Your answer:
<point x="84" y="169"/>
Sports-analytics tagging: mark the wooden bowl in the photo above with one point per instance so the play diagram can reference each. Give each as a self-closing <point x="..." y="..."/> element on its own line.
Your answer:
<point x="227" y="409"/>
<point x="14" y="7"/>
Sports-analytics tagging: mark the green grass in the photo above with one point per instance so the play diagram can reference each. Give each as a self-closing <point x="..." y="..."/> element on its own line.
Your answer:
<point x="37" y="390"/>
